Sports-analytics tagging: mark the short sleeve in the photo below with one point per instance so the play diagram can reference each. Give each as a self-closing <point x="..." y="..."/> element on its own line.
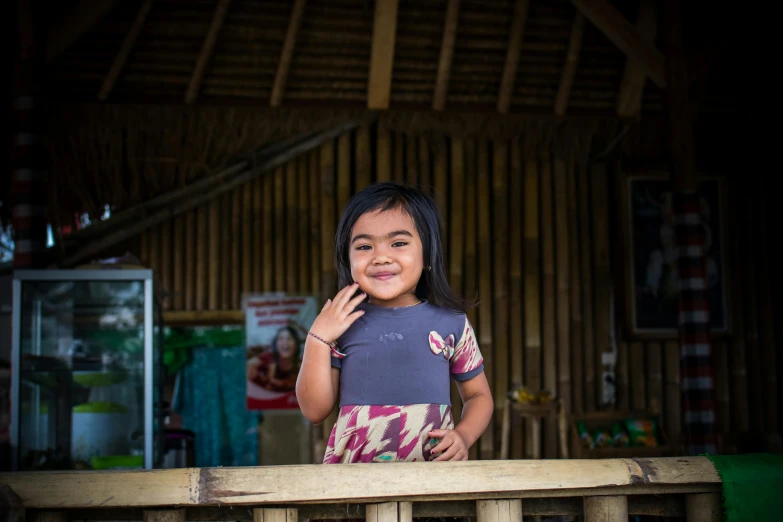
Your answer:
<point x="467" y="361"/>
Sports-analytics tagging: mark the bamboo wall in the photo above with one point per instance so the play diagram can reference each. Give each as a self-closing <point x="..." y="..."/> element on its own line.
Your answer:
<point x="533" y="237"/>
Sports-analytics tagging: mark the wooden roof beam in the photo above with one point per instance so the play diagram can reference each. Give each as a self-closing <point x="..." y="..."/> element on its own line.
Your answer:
<point x="206" y="50"/>
<point x="287" y="53"/>
<point x="384" y="33"/>
<point x="620" y="31"/>
<point x="629" y="99"/>
<point x="569" y="68"/>
<point x="446" y="54"/>
<point x="125" y="50"/>
<point x="77" y="21"/>
<point x="512" y="55"/>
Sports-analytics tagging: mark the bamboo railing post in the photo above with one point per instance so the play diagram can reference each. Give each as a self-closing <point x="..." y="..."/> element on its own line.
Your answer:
<point x="610" y="508"/>
<point x="389" y="512"/>
<point x="274" y="515"/>
<point x="160" y="515"/>
<point x="703" y="507"/>
<point x="499" y="510"/>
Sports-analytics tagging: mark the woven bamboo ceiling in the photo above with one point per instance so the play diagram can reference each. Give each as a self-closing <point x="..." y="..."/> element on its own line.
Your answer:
<point x="511" y="56"/>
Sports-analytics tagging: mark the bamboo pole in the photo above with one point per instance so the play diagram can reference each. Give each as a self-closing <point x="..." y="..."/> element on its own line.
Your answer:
<point x="425" y="176"/>
<point x="236" y="245"/>
<point x="411" y="161"/>
<point x="486" y="340"/>
<point x="457" y="253"/>
<point x="722" y="394"/>
<point x="303" y="258"/>
<point x="202" y="242"/>
<point x="575" y="297"/>
<point x="740" y="406"/>
<point x="165" y="261"/>
<point x="470" y="219"/>
<point x="750" y="308"/>
<point x="516" y="310"/>
<point x="206" y="50"/>
<point x="563" y="255"/>
<point x="399" y="158"/>
<point x="125" y="51"/>
<point x="214" y="253"/>
<point x="446" y="54"/>
<point x="383" y="164"/>
<point x="500" y="253"/>
<point x="499" y="510"/>
<point x="343" y="171"/>
<point x="703" y="507"/>
<point x="654" y="376"/>
<point x="602" y="270"/>
<point x="291" y="228"/>
<point x="144" y="248"/>
<point x="440" y="174"/>
<point x="190" y="259"/>
<point x="257" y="238"/>
<point x="328" y="283"/>
<point x="363" y="158"/>
<point x="248" y="263"/>
<point x="606" y="509"/>
<point x="673" y="394"/>
<point x="592" y="376"/>
<point x="281" y="77"/>
<point x="315" y="220"/>
<point x="227" y="267"/>
<point x="548" y="300"/>
<point x="767" y="319"/>
<point x="532" y="295"/>
<point x="279" y="229"/>
<point x="269" y="236"/>
<point x="637" y="377"/>
<point x="178" y="272"/>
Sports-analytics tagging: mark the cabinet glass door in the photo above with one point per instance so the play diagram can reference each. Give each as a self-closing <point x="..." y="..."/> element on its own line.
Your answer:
<point x="81" y="381"/>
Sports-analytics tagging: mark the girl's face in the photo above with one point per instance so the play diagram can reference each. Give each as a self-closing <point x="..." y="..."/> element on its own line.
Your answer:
<point x="386" y="257"/>
<point x="285" y="345"/>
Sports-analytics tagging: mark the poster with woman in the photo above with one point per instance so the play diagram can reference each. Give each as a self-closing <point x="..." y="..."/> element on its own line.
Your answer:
<point x="275" y="329"/>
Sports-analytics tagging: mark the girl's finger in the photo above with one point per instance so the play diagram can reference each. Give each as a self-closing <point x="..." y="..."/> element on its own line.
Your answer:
<point x="344" y="295"/>
<point x="448" y="454"/>
<point x="354" y="316"/>
<point x="356" y="301"/>
<point x="442" y="445"/>
<point x="326" y="304"/>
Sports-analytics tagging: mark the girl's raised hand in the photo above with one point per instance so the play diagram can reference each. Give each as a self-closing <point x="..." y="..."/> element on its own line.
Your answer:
<point x="338" y="315"/>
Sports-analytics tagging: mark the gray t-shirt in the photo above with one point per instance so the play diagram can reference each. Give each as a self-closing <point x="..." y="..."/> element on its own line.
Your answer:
<point x="403" y="356"/>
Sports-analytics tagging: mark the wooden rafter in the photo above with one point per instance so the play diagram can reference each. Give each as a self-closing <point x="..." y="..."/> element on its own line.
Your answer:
<point x="512" y="55"/>
<point x="384" y="33"/>
<point x="206" y="50"/>
<point x="620" y="31"/>
<point x="629" y="99"/>
<point x="75" y="23"/>
<point x="125" y="50"/>
<point x="288" y="51"/>
<point x="569" y="68"/>
<point x="446" y="54"/>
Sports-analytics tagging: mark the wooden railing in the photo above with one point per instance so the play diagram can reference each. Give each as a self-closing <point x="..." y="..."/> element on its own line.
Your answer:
<point x="491" y="491"/>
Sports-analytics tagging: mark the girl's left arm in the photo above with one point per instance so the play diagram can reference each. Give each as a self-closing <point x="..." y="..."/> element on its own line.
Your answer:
<point x="477" y="409"/>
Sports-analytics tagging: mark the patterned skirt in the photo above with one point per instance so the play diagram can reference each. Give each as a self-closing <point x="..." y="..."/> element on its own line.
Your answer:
<point x="386" y="433"/>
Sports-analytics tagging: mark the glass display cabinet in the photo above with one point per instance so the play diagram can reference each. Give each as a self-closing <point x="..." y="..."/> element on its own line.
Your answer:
<point x="87" y="370"/>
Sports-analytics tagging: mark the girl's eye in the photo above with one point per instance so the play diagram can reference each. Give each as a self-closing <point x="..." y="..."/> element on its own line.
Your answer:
<point x="363" y="247"/>
<point x="399" y="244"/>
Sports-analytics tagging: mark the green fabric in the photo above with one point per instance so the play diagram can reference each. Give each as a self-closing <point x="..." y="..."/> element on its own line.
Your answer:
<point x="752" y="486"/>
<point x="178" y="343"/>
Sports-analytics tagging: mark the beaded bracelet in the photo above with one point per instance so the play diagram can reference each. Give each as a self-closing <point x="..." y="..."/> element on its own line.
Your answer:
<point x="331" y="344"/>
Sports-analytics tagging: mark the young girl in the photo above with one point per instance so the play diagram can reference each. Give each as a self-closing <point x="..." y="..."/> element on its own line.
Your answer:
<point x="391" y="338"/>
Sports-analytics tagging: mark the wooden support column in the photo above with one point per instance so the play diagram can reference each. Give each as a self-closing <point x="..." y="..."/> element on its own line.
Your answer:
<point x="606" y="509"/>
<point x="499" y="510"/>
<point x="275" y="515"/>
<point x="703" y="507"/>
<point x="390" y="512"/>
<point x="382" y="54"/>
<point x="696" y="366"/>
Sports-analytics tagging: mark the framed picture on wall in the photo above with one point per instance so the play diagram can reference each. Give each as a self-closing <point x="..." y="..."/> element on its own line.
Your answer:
<point x="650" y="255"/>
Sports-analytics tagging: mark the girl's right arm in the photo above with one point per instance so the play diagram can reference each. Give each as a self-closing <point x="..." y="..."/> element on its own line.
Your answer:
<point x="317" y="382"/>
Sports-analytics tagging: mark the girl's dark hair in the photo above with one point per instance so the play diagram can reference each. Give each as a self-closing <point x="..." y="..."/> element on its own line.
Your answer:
<point x="385" y="196"/>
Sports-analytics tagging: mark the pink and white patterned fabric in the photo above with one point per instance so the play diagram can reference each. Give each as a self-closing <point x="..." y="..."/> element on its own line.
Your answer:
<point x="386" y="433"/>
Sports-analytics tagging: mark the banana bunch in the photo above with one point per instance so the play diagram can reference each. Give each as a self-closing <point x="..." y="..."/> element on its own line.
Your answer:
<point x="524" y="396"/>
